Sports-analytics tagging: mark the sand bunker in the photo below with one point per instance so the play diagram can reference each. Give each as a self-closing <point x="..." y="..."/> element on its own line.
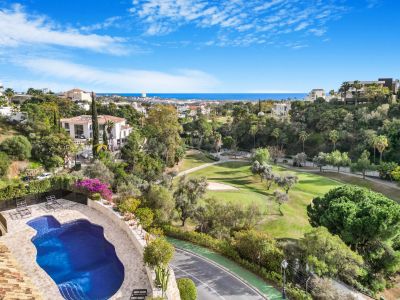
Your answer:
<point x="216" y="186"/>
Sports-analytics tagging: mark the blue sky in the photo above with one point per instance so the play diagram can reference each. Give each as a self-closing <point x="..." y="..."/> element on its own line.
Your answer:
<point x="196" y="45"/>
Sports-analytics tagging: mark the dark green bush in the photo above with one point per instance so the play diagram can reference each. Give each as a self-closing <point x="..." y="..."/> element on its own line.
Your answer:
<point x="36" y="187"/>
<point x="17" y="147"/>
<point x="4" y="163"/>
<point x="187" y="289"/>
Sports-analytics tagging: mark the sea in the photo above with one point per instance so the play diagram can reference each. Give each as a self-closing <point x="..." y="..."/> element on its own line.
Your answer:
<point x="217" y="96"/>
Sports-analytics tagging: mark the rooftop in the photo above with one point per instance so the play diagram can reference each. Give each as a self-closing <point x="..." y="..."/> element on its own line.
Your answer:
<point x="86" y="119"/>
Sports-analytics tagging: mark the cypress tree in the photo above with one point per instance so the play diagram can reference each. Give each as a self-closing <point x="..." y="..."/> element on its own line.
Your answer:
<point x="105" y="139"/>
<point x="95" y="126"/>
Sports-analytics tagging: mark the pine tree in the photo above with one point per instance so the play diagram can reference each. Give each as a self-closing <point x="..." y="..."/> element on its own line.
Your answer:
<point x="95" y="126"/>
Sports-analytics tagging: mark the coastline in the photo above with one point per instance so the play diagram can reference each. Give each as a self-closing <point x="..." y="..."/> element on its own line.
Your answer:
<point x="211" y="96"/>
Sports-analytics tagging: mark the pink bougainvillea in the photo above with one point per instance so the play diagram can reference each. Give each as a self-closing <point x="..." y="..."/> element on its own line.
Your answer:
<point x="92" y="186"/>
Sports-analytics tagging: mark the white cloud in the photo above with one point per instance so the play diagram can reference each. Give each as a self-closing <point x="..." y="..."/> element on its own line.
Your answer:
<point x="18" y="28"/>
<point x="111" y="21"/>
<point x="122" y="80"/>
<point x="237" y="20"/>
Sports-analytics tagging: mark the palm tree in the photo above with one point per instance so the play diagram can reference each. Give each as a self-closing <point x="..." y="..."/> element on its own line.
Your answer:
<point x="9" y="92"/>
<point x="303" y="136"/>
<point x="334" y="137"/>
<point x="381" y="144"/>
<point x="108" y="126"/>
<point x="373" y="142"/>
<point x="253" y="132"/>
<point x="344" y="88"/>
<point x="276" y="133"/>
<point x="357" y="85"/>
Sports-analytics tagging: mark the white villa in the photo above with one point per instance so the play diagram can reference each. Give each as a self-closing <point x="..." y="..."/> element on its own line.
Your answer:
<point x="281" y="109"/>
<point x="80" y="129"/>
<point x="77" y="95"/>
<point x="315" y="94"/>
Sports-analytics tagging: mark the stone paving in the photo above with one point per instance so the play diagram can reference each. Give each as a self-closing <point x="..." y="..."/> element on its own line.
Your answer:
<point x="14" y="284"/>
<point x="18" y="240"/>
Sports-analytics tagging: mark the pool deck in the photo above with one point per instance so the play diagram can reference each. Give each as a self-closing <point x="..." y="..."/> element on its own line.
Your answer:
<point x="18" y="241"/>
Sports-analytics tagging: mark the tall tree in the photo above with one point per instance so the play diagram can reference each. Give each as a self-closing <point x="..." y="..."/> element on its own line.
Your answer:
<point x="186" y="196"/>
<point x="253" y="132"/>
<point x="95" y="126"/>
<point x="276" y="134"/>
<point x="381" y="144"/>
<point x="344" y="88"/>
<point x="163" y="131"/>
<point x="108" y="127"/>
<point x="9" y="92"/>
<point x="357" y="91"/>
<point x="363" y="164"/>
<point x="303" y="136"/>
<point x="334" y="137"/>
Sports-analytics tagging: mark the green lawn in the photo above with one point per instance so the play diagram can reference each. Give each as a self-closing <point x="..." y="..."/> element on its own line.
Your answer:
<point x="193" y="158"/>
<point x="294" y="222"/>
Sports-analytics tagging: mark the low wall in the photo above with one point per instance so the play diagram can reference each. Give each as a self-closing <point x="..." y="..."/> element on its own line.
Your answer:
<point x="139" y="242"/>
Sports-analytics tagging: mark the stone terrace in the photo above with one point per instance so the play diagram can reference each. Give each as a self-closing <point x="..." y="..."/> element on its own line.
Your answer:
<point x="14" y="284"/>
<point x="18" y="241"/>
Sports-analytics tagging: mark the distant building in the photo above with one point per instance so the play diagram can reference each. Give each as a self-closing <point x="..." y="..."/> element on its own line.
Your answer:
<point x="315" y="94"/>
<point x="281" y="109"/>
<point x="20" y="98"/>
<point x="1" y="90"/>
<point x="77" y="95"/>
<point x="393" y="85"/>
<point x="12" y="115"/>
<point x="80" y="129"/>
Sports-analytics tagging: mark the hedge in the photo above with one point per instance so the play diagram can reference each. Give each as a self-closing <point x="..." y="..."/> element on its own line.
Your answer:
<point x="224" y="248"/>
<point x="36" y="187"/>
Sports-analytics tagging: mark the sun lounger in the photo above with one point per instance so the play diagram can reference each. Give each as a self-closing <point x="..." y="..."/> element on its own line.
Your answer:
<point x="51" y="202"/>
<point x="138" y="294"/>
<point x="22" y="208"/>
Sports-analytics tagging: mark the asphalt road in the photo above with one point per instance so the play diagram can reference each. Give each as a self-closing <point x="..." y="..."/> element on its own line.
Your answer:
<point x="212" y="282"/>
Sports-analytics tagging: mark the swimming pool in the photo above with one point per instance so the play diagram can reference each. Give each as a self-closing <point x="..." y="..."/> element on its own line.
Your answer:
<point x="78" y="258"/>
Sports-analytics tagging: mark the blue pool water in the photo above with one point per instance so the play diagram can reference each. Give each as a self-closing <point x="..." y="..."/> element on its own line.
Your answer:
<point x="78" y="258"/>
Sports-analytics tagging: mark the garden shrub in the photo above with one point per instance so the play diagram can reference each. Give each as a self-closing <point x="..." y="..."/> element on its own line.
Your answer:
<point x="91" y="186"/>
<point x="4" y="163"/>
<point x="17" y="147"/>
<point x="129" y="205"/>
<point x="187" y="289"/>
<point x="96" y="196"/>
<point x="36" y="187"/>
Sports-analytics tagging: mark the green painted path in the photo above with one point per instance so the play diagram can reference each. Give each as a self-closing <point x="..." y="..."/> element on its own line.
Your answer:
<point x="248" y="277"/>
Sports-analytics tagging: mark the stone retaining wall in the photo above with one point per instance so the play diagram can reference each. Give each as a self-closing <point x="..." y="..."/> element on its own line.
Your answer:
<point x="136" y="235"/>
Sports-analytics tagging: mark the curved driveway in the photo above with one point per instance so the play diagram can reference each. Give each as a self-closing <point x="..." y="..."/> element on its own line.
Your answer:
<point x="212" y="281"/>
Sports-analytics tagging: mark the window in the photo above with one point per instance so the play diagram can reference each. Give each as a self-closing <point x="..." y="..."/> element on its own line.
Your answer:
<point x="78" y="131"/>
<point x="66" y="126"/>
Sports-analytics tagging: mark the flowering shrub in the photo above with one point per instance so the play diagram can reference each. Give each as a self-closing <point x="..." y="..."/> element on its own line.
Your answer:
<point x="92" y="186"/>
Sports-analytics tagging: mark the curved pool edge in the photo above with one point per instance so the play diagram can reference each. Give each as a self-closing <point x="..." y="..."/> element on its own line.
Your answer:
<point x="139" y="243"/>
<point x="77" y="256"/>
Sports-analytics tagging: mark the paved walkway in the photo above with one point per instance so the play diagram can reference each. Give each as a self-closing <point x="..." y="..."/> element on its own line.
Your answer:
<point x="227" y="268"/>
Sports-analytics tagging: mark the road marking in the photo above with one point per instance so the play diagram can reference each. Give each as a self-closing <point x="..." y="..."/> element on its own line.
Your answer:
<point x="202" y="282"/>
<point x="226" y="270"/>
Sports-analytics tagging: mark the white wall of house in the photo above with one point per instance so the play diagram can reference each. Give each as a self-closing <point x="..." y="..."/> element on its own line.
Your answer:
<point x="119" y="132"/>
